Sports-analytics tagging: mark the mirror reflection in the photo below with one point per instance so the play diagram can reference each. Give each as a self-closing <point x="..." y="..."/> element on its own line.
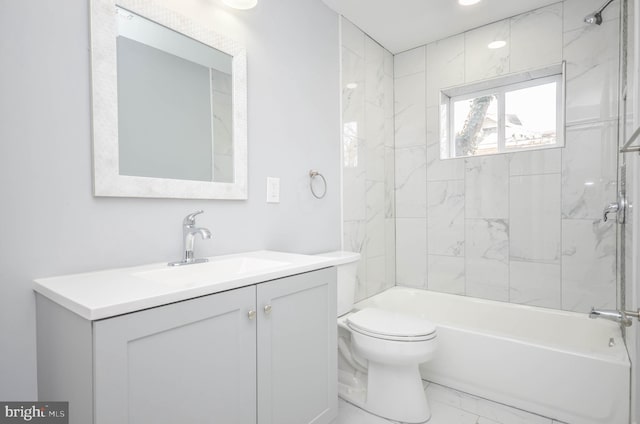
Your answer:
<point x="174" y="104"/>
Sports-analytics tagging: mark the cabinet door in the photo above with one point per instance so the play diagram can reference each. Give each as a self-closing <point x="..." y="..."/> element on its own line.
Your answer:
<point x="189" y="362"/>
<point x="297" y="353"/>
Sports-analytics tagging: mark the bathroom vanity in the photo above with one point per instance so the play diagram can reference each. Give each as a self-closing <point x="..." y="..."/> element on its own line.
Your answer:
<point x="248" y="338"/>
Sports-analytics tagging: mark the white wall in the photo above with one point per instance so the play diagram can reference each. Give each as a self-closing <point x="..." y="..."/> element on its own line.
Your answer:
<point x="519" y="227"/>
<point x="50" y="224"/>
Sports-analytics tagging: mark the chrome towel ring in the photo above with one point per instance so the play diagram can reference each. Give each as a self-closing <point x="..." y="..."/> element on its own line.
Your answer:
<point x="312" y="175"/>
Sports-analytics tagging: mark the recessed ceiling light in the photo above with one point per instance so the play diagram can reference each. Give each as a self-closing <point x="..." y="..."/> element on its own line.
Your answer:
<point x="468" y="2"/>
<point x="241" y="4"/>
<point x="498" y="44"/>
<point x="352" y="86"/>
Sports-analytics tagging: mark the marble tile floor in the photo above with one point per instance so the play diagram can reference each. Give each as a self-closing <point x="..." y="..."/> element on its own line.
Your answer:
<point x="450" y="406"/>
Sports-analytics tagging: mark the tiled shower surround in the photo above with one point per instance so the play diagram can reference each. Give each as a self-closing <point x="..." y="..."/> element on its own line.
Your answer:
<point x="519" y="227"/>
<point x="368" y="159"/>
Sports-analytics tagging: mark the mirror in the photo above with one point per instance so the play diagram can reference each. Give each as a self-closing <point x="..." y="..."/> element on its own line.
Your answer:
<point x="169" y="105"/>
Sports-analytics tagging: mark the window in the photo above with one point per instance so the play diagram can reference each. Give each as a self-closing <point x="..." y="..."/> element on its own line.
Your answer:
<point x="513" y="113"/>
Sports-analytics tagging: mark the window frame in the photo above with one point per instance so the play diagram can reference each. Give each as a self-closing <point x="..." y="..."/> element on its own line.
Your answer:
<point x="499" y="87"/>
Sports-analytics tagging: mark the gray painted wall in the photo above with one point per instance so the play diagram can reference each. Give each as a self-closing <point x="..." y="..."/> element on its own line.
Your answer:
<point x="50" y="224"/>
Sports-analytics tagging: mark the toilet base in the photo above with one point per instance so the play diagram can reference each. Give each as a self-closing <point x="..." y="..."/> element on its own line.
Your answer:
<point x="392" y="392"/>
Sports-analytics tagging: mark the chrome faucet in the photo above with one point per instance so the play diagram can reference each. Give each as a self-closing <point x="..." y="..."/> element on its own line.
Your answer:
<point x="618" y="207"/>
<point x="621" y="317"/>
<point x="189" y="232"/>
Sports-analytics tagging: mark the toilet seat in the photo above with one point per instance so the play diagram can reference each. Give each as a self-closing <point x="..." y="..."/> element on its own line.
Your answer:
<point x="387" y="325"/>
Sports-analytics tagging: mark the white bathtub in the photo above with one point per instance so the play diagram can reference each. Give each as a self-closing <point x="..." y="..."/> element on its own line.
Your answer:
<point x="553" y="363"/>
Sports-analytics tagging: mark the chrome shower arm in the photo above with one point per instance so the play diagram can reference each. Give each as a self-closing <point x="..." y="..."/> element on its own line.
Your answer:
<point x="605" y="6"/>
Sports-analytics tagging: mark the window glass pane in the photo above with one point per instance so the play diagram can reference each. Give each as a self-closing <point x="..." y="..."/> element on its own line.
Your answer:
<point x="475" y="125"/>
<point x="530" y="116"/>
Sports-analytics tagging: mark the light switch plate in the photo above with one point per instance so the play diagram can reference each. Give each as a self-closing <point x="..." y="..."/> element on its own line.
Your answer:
<point x="273" y="190"/>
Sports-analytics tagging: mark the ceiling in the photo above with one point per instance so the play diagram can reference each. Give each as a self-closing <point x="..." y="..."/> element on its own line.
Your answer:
<point x="400" y="25"/>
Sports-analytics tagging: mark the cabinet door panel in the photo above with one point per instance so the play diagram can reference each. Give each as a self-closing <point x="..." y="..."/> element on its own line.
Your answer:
<point x="297" y="349"/>
<point x="188" y="362"/>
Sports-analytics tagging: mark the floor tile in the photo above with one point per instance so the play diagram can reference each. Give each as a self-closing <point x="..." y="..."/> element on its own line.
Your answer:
<point x="449" y="406"/>
<point x="486" y="409"/>
<point x="350" y="414"/>
<point x="441" y="413"/>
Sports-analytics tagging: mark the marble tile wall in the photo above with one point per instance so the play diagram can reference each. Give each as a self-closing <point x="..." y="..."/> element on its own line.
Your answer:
<point x="522" y="227"/>
<point x="368" y="159"/>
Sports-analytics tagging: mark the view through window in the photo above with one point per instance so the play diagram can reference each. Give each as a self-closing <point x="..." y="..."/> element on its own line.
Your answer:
<point x="503" y="116"/>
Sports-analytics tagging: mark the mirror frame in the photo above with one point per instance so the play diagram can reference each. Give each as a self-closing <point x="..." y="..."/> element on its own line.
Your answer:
<point x="107" y="180"/>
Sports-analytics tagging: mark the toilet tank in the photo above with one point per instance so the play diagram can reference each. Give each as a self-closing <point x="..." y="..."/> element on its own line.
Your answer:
<point x="347" y="270"/>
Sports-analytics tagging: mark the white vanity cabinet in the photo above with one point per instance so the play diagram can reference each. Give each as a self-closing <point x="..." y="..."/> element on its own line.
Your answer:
<point x="297" y="349"/>
<point x="264" y="353"/>
<point x="188" y="362"/>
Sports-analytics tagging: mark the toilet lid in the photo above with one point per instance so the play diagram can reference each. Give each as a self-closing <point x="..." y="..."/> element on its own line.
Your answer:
<point x="390" y="325"/>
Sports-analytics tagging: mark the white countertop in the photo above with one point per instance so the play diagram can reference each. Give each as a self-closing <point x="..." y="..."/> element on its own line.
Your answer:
<point x="104" y="294"/>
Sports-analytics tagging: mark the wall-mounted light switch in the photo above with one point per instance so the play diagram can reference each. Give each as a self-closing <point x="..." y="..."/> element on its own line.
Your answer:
<point x="273" y="190"/>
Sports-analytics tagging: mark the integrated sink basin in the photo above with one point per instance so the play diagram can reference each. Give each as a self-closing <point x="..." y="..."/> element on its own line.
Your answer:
<point x="216" y="270"/>
<point x="103" y="294"/>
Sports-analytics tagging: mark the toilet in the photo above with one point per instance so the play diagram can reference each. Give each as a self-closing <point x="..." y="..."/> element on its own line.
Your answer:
<point x="380" y="351"/>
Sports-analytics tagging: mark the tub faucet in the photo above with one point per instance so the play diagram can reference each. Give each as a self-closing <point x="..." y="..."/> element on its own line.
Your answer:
<point x="621" y="317"/>
<point x="189" y="232"/>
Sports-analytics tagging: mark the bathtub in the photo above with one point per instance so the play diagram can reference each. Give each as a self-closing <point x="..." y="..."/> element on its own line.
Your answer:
<point x="553" y="363"/>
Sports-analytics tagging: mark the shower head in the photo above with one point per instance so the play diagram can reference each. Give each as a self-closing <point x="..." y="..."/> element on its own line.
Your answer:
<point x="596" y="17"/>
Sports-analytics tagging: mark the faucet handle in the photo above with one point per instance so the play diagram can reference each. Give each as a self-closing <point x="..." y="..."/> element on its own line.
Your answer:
<point x="191" y="218"/>
<point x="610" y="208"/>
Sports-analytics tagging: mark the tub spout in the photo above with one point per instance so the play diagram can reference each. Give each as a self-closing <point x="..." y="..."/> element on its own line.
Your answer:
<point x="612" y="315"/>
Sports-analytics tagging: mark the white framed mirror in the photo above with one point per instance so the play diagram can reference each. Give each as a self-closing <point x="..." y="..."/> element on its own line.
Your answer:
<point x="169" y="105"/>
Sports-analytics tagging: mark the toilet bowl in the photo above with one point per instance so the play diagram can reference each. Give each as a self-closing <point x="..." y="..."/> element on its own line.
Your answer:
<point x="381" y="351"/>
<point x="393" y="345"/>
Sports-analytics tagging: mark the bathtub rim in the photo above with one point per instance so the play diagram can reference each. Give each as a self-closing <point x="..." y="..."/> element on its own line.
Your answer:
<point x="618" y="356"/>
